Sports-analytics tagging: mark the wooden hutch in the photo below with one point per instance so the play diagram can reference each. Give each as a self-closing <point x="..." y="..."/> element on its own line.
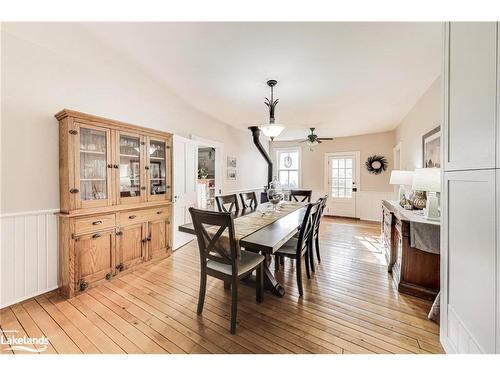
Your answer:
<point x="115" y="193"/>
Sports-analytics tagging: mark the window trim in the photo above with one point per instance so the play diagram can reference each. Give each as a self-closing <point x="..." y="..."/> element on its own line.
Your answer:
<point x="276" y="168"/>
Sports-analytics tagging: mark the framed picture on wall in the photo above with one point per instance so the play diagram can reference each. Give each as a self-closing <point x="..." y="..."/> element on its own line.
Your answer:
<point x="231" y="174"/>
<point x="431" y="148"/>
<point x="231" y="162"/>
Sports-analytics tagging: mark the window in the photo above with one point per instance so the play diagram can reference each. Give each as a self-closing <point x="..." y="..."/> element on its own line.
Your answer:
<point x="288" y="161"/>
<point x="341" y="177"/>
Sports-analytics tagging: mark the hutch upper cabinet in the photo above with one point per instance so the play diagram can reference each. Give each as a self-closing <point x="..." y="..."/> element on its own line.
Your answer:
<point x="115" y="187"/>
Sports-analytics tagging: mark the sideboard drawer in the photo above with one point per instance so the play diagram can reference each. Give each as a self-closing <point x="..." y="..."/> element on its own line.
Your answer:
<point x="140" y="216"/>
<point x="94" y="223"/>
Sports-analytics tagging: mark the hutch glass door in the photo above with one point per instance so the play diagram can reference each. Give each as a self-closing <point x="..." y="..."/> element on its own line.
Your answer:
<point x="130" y="151"/>
<point x="157" y="168"/>
<point x="94" y="172"/>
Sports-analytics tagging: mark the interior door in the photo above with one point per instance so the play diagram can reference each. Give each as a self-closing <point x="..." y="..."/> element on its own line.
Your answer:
<point x="342" y="172"/>
<point x="185" y="175"/>
<point x="93" y="169"/>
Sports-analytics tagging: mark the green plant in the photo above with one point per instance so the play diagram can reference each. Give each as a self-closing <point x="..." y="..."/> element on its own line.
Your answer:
<point x="202" y="172"/>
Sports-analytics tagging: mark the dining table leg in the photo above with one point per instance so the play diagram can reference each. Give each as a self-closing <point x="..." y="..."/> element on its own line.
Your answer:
<point x="270" y="282"/>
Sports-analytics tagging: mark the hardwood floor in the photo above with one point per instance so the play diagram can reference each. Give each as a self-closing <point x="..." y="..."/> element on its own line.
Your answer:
<point x="350" y="305"/>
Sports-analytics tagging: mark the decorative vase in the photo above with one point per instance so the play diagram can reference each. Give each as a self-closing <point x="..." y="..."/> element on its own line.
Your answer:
<point x="420" y="200"/>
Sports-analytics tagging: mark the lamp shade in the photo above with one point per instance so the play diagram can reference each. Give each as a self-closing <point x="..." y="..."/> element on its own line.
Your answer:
<point x="272" y="130"/>
<point x="401" y="177"/>
<point x="427" y="179"/>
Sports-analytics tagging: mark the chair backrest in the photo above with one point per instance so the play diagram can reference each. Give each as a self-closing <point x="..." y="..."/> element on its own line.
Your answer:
<point x="231" y="200"/>
<point x="305" y="195"/>
<point x="307" y="226"/>
<point x="208" y="243"/>
<point x="248" y="200"/>
<point x="322" y="205"/>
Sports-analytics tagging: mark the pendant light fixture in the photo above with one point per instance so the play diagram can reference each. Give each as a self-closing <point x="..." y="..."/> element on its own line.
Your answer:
<point x="272" y="129"/>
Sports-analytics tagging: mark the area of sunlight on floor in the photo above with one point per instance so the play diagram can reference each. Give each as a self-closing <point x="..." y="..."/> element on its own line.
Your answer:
<point x="374" y="246"/>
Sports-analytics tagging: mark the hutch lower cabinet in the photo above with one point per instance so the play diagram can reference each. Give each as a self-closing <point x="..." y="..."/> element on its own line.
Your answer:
<point x="115" y="186"/>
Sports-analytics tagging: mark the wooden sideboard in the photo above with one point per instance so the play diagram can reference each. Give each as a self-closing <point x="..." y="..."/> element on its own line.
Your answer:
<point x="115" y="197"/>
<point x="414" y="271"/>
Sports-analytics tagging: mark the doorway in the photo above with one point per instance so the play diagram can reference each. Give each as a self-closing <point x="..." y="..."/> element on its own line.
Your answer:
<point x="342" y="183"/>
<point x="206" y="178"/>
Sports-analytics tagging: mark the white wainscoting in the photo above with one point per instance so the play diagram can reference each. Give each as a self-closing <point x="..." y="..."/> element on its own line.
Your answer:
<point x="28" y="255"/>
<point x="459" y="340"/>
<point x="369" y="204"/>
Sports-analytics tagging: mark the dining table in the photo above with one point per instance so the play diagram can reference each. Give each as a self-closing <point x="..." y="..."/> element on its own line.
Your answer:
<point x="267" y="238"/>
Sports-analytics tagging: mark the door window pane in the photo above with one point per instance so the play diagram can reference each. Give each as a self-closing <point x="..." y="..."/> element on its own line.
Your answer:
<point x="341" y="178"/>
<point x="157" y="167"/>
<point x="130" y="171"/>
<point x="93" y="173"/>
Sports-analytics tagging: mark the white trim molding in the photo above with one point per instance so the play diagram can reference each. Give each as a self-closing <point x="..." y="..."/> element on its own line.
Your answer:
<point x="28" y="255"/>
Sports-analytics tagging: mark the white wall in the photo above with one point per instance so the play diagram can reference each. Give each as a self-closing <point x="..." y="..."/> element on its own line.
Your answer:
<point x="423" y="117"/>
<point x="372" y="188"/>
<point x="48" y="67"/>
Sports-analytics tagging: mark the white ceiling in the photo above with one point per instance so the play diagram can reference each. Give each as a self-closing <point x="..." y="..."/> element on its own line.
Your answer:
<point x="343" y="78"/>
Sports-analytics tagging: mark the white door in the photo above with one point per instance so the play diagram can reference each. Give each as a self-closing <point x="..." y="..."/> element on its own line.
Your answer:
<point x="342" y="175"/>
<point x="185" y="167"/>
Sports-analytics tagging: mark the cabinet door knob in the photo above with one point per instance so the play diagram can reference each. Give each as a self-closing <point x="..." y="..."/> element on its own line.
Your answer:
<point x="98" y="222"/>
<point x="110" y="165"/>
<point x="132" y="216"/>
<point x="116" y="166"/>
<point x="148" y="238"/>
<point x="159" y="212"/>
<point x="109" y="276"/>
<point x="143" y="187"/>
<point x="74" y="191"/>
<point x="97" y="235"/>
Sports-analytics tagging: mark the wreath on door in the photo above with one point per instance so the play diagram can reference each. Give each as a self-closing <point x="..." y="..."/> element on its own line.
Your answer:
<point x="376" y="164"/>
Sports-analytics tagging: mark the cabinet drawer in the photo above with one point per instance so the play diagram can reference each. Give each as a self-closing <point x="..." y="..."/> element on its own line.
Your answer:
<point x="140" y="216"/>
<point x="94" y="223"/>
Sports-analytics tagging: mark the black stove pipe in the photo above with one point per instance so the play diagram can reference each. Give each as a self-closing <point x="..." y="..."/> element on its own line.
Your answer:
<point x="256" y="134"/>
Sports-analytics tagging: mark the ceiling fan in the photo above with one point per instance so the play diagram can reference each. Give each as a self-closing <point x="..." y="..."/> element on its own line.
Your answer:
<point x="313" y="139"/>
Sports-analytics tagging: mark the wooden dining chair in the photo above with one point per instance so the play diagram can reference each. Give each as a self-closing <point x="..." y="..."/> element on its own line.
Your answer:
<point x="296" y="248"/>
<point x="315" y="239"/>
<point x="249" y="200"/>
<point x="231" y="200"/>
<point x="227" y="263"/>
<point x="305" y="195"/>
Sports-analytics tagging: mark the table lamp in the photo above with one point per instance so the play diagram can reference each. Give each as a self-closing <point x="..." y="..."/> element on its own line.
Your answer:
<point x="401" y="178"/>
<point x="429" y="180"/>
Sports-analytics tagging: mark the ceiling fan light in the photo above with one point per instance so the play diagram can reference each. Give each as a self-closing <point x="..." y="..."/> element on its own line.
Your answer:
<point x="314" y="143"/>
<point x="272" y="130"/>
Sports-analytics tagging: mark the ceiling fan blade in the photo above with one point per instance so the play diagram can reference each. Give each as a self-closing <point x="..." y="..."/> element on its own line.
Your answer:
<point x="325" y="138"/>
